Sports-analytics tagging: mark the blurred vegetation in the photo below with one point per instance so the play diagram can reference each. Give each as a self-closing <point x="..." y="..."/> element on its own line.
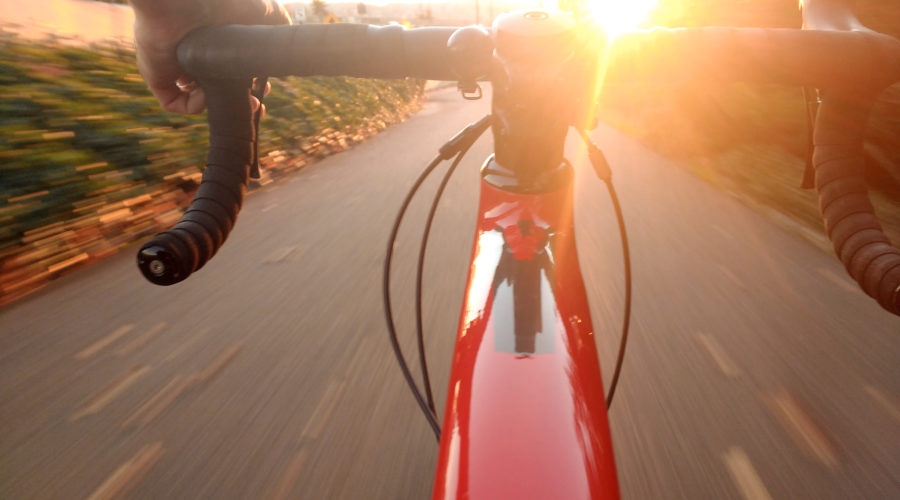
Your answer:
<point x="89" y="162"/>
<point x="751" y="140"/>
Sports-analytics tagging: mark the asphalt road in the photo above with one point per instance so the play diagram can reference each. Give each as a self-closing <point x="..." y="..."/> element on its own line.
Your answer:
<point x="755" y="369"/>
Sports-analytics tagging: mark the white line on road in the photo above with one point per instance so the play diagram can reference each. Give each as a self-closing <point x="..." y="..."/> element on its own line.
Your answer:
<point x="885" y="403"/>
<point x="157" y="403"/>
<point x="731" y="276"/>
<point x="178" y="385"/>
<point x="323" y="410"/>
<point x="183" y="347"/>
<point x="718" y="355"/>
<point x="803" y="429"/>
<point x="105" y="341"/>
<point x="111" y="391"/>
<point x="129" y="473"/>
<point x="219" y="364"/>
<point x="364" y="348"/>
<point x="744" y="475"/>
<point x="141" y="340"/>
<point x="282" y="254"/>
<point x="290" y="476"/>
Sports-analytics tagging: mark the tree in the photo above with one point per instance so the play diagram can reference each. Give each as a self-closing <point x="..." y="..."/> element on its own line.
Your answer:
<point x="361" y="9"/>
<point x="319" y="8"/>
<point x="423" y="14"/>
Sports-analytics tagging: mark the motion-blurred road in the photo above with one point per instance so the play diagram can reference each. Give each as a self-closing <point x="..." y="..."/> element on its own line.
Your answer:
<point x="755" y="369"/>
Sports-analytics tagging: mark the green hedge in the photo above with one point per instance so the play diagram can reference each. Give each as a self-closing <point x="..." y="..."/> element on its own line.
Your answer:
<point x="751" y="140"/>
<point x="82" y="138"/>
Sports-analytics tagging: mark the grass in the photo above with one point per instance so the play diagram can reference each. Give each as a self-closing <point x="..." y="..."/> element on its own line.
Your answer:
<point x="89" y="162"/>
<point x="751" y="141"/>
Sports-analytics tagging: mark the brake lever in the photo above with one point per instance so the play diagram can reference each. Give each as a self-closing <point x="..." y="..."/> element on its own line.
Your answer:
<point x="811" y="96"/>
<point x="257" y="90"/>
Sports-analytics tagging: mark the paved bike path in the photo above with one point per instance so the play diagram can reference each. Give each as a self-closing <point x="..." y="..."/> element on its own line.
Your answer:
<point x="755" y="368"/>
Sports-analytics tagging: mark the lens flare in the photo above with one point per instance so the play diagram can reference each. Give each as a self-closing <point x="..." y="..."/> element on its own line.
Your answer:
<point x="619" y="16"/>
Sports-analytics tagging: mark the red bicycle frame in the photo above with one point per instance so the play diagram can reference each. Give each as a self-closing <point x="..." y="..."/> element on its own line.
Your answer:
<point x="525" y="414"/>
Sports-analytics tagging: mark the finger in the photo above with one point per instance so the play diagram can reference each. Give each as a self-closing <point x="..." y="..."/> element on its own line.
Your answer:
<point x="268" y="88"/>
<point x="185" y="84"/>
<point x="275" y="13"/>
<point x="161" y="73"/>
<point x="255" y="105"/>
<point x="268" y="12"/>
<point x="174" y="100"/>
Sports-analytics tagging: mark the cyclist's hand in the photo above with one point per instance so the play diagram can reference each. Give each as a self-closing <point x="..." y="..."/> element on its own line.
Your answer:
<point x="160" y="24"/>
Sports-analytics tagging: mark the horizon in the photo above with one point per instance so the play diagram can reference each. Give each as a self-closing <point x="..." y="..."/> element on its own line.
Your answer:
<point x="383" y="3"/>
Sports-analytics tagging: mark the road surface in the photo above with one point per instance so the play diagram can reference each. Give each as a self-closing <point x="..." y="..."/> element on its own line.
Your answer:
<point x="755" y="370"/>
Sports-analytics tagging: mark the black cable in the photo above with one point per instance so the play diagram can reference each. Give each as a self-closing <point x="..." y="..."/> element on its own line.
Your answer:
<point x="419" y="271"/>
<point x="601" y="167"/>
<point x="458" y="145"/>
<point x="386" y="292"/>
<point x="626" y="254"/>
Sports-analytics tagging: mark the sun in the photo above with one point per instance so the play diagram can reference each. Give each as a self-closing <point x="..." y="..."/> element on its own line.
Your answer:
<point x="618" y="16"/>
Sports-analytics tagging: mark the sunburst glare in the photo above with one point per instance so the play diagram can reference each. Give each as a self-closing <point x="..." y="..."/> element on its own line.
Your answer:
<point x="617" y="16"/>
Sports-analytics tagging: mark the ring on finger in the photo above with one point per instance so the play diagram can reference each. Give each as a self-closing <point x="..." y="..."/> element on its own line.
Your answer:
<point x="186" y="86"/>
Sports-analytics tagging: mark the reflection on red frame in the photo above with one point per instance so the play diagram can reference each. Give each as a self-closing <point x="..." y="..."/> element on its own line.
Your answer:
<point x="525" y="415"/>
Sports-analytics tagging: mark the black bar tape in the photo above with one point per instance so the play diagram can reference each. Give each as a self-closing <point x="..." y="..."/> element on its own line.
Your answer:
<point x="173" y="251"/>
<point x="173" y="255"/>
<point x="850" y="220"/>
<point x="223" y="149"/>
<point x="230" y="197"/>
<point x="834" y="210"/>
<point x="876" y="271"/>
<point x="844" y="187"/>
<point x="318" y="49"/>
<point x="888" y="293"/>
<point x="838" y="176"/>
<point x="201" y="243"/>
<point x="225" y="174"/>
<point x="858" y="241"/>
<point x="183" y="250"/>
<point x="843" y="233"/>
<point x="222" y="175"/>
<point x="215" y="209"/>
<point x="209" y="223"/>
<point x="840" y="152"/>
<point x="864" y="258"/>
